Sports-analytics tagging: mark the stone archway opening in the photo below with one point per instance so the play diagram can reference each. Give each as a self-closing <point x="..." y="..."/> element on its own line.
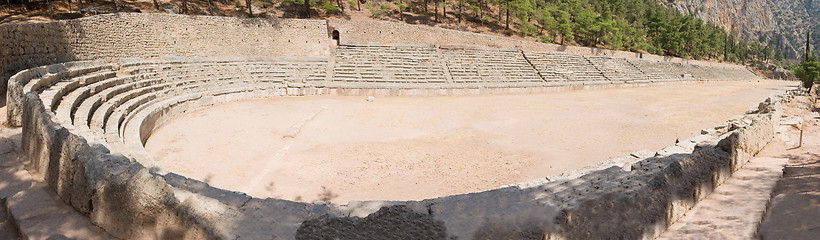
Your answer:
<point x="335" y="36"/>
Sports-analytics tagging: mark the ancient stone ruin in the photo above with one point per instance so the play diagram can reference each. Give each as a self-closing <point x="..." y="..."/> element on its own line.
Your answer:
<point x="89" y="92"/>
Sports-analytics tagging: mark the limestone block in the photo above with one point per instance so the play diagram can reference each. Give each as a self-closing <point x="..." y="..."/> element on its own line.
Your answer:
<point x="230" y="198"/>
<point x="136" y="204"/>
<point x="643" y="154"/>
<point x="393" y="222"/>
<point x="274" y="218"/>
<point x="792" y="122"/>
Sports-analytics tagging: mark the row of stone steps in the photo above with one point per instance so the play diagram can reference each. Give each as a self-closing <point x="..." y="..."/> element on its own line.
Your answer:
<point x="472" y="65"/>
<point x="388" y="64"/>
<point x="97" y="101"/>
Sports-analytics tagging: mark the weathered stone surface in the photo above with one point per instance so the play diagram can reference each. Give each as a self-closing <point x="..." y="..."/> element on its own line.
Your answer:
<point x="393" y="222"/>
<point x="643" y="154"/>
<point x="230" y="198"/>
<point x="628" y="197"/>
<point x="274" y="218"/>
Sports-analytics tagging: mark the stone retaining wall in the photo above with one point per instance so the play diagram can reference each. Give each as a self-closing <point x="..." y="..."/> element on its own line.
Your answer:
<point x="633" y="197"/>
<point x="125" y="35"/>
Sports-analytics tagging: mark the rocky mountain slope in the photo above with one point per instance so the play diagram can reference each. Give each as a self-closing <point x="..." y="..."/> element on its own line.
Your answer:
<point x="780" y="23"/>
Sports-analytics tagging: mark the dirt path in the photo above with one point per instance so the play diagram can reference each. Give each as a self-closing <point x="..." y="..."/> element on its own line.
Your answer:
<point x="794" y="209"/>
<point x="404" y="148"/>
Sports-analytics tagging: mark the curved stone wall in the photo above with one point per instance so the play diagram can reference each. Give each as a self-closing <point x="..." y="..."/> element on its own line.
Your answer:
<point x="83" y="129"/>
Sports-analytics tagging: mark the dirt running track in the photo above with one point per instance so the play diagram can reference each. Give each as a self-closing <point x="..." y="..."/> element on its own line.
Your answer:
<point x="411" y="148"/>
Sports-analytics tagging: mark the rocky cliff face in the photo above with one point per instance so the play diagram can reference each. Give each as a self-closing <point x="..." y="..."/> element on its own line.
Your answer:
<point x="779" y="23"/>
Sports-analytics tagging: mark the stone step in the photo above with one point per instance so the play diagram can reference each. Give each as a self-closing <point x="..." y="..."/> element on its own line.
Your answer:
<point x="101" y="114"/>
<point x="54" y="98"/>
<point x="39" y="84"/>
<point x="70" y="103"/>
<point x="115" y="120"/>
<point x="90" y="104"/>
<point x="132" y="125"/>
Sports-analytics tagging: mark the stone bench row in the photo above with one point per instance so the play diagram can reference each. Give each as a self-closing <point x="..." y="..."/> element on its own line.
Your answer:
<point x="54" y="94"/>
<point x="35" y="79"/>
<point x="476" y="65"/>
<point x="297" y="72"/>
<point x="115" y="128"/>
<point x="377" y="63"/>
<point x="137" y="127"/>
<point x="570" y="67"/>
<point x="107" y="110"/>
<point x="389" y="64"/>
<point x="283" y="69"/>
<point x="617" y="69"/>
<point x="100" y="102"/>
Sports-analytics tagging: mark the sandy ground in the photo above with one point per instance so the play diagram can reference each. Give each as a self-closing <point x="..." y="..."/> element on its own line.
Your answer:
<point x="410" y="148"/>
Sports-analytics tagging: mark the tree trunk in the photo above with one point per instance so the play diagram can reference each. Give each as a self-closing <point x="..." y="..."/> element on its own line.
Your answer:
<point x="426" y="2"/>
<point x="358" y="5"/>
<point x="444" y="10"/>
<point x="305" y="9"/>
<point x="508" y="15"/>
<point x="184" y="7"/>
<point x="499" y="13"/>
<point x="156" y="4"/>
<point x="211" y="7"/>
<point x="435" y="2"/>
<point x="250" y="9"/>
<point x="339" y="4"/>
<point x="460" y="11"/>
<point x="401" y="11"/>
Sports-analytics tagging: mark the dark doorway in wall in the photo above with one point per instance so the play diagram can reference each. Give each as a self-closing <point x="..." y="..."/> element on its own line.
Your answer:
<point x="335" y="36"/>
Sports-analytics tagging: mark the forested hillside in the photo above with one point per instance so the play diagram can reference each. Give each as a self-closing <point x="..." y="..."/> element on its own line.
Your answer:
<point x="651" y="26"/>
<point x="782" y="24"/>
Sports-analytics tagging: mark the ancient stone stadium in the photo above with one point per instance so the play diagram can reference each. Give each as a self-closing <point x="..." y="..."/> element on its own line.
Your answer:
<point x="88" y="94"/>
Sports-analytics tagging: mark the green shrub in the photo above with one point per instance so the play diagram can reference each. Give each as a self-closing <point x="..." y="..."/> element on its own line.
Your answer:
<point x="808" y="72"/>
<point x="329" y="8"/>
<point x="262" y="4"/>
<point x="528" y="29"/>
